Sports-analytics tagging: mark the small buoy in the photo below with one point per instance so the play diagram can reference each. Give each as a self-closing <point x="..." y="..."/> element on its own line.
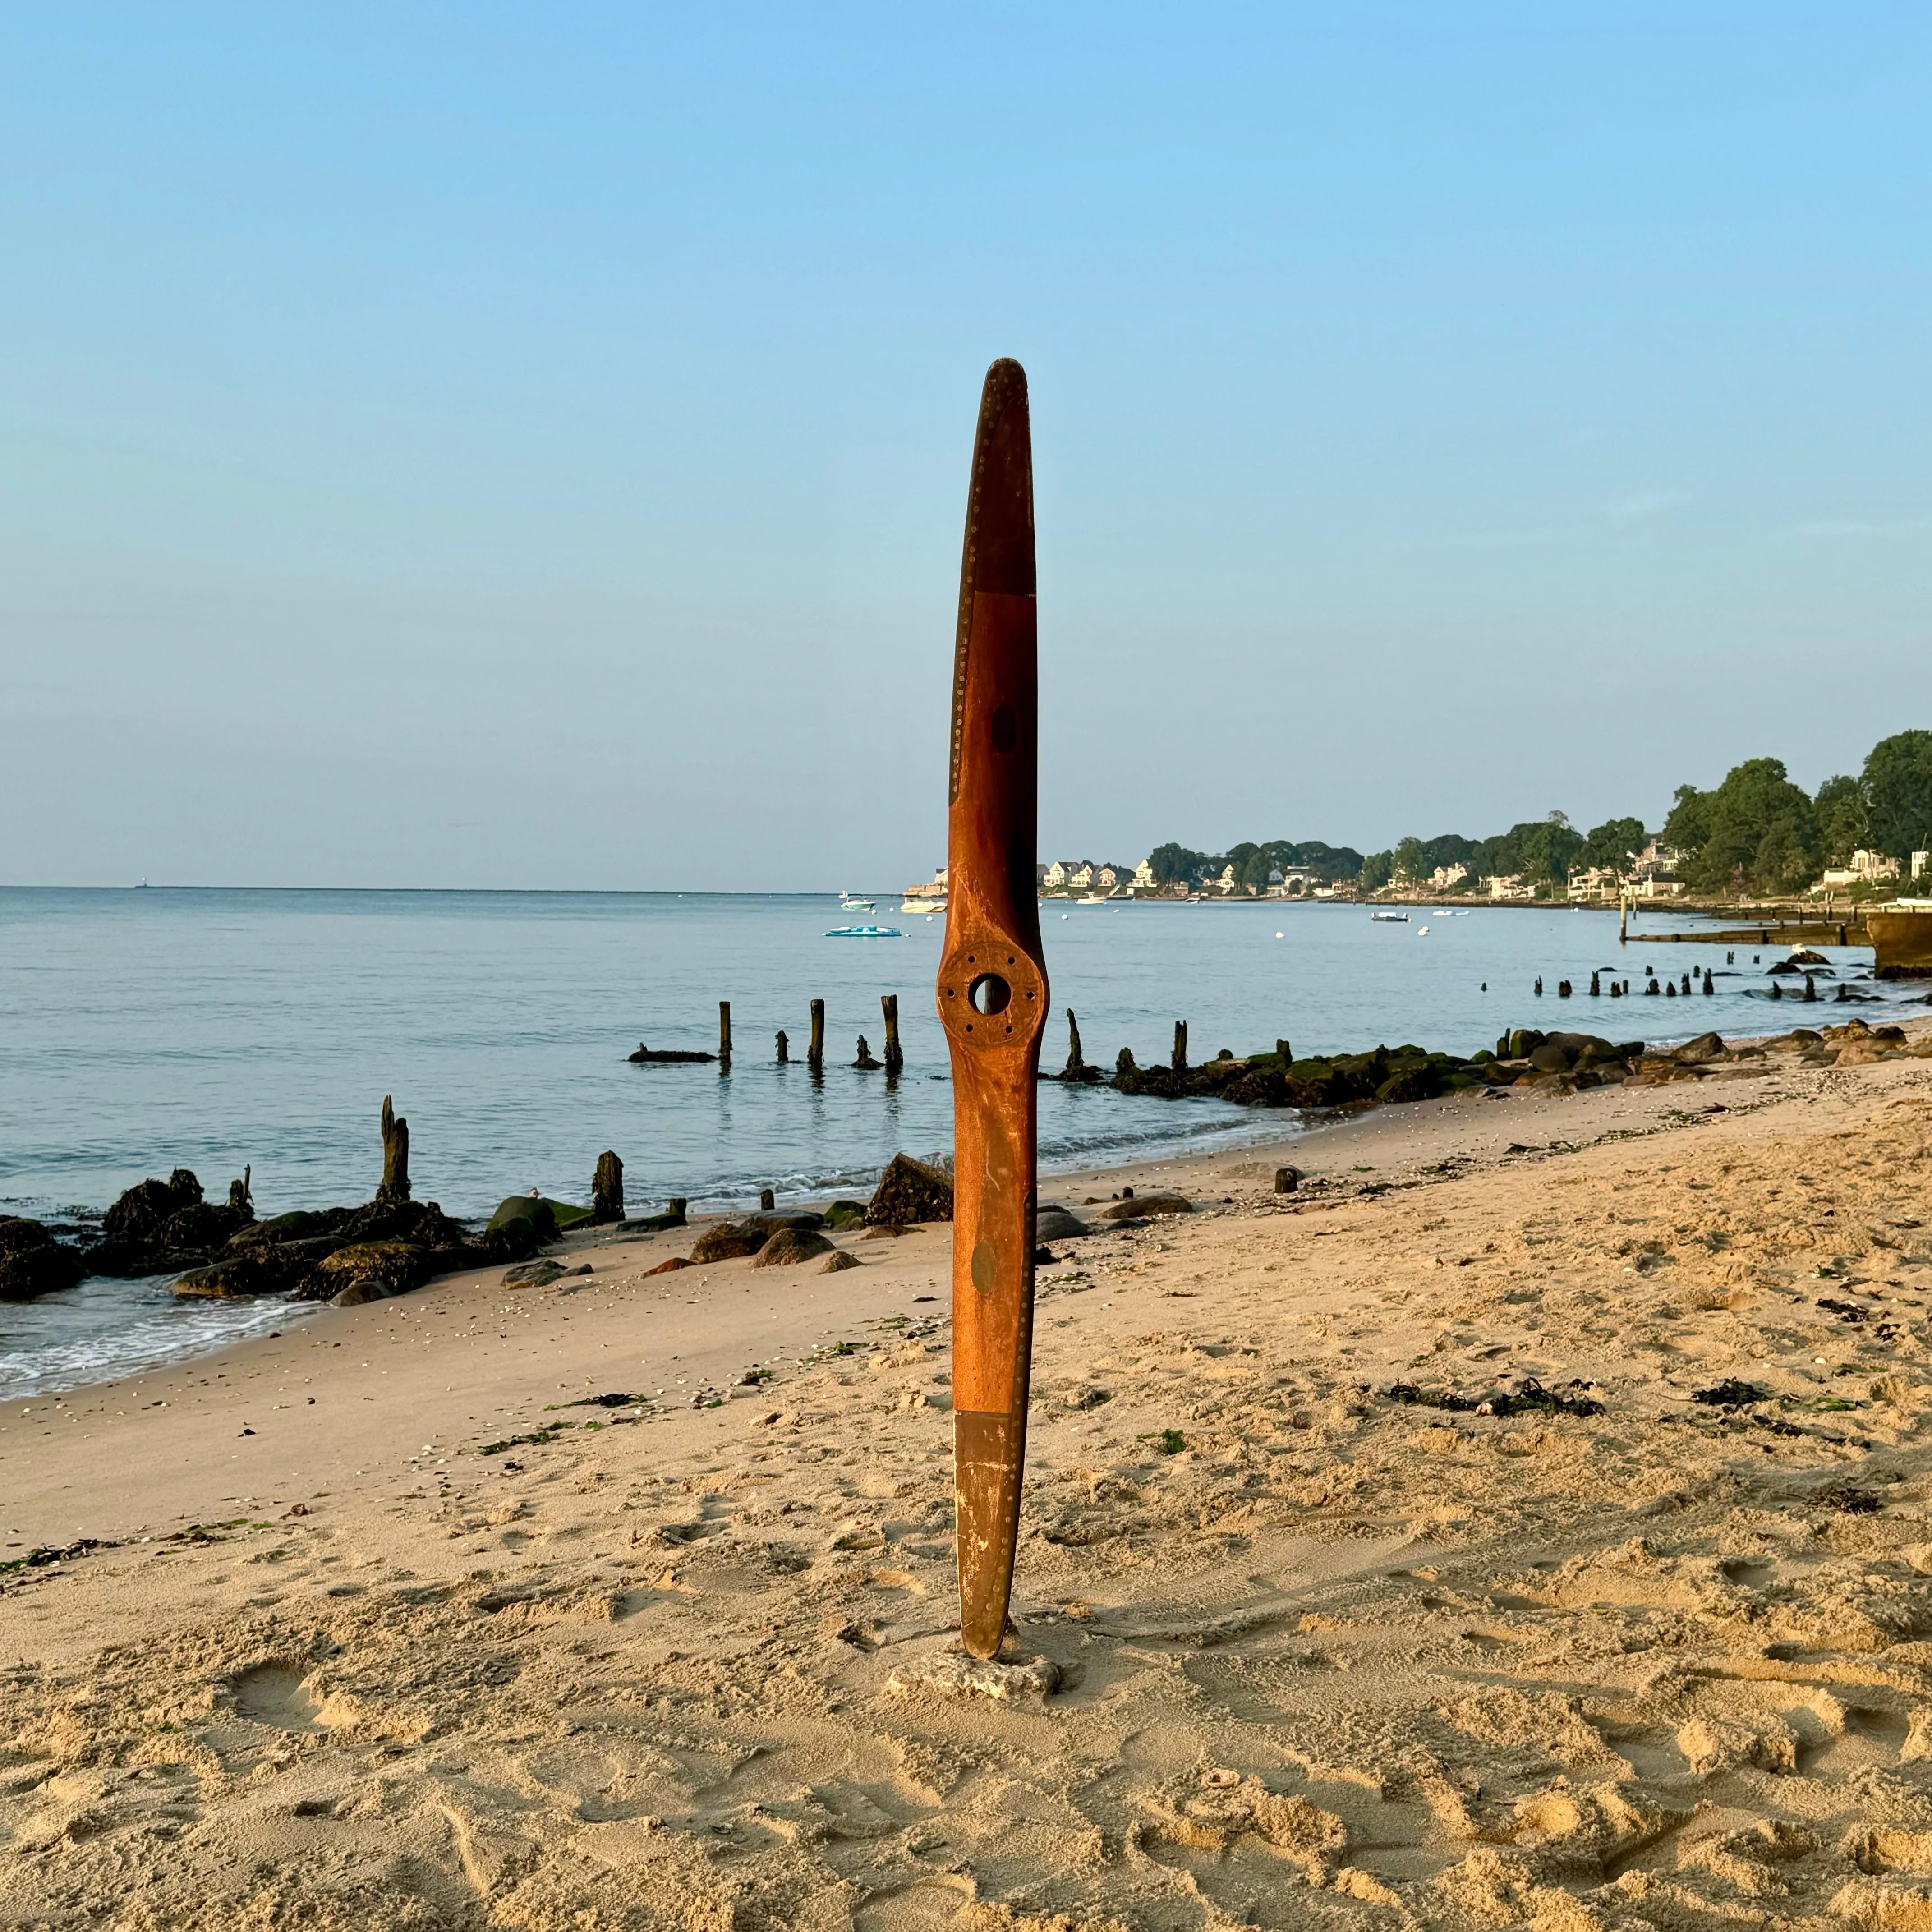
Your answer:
<point x="1067" y="915"/>
<point x="1280" y="935"/>
<point x="1422" y="932"/>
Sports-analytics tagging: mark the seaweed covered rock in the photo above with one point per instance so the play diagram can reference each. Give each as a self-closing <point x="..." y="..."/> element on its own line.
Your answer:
<point x="1055" y="1222"/>
<point x="258" y="1267"/>
<point x="1136" y="1206"/>
<point x="157" y="1227"/>
<point x="138" y="1214"/>
<point x="1706" y="1048"/>
<point x="845" y="1214"/>
<point x="520" y="1225"/>
<point x="908" y="1191"/>
<point x="367" y="1271"/>
<point x="1263" y="1086"/>
<point x="790" y="1245"/>
<point x="1419" y="1081"/>
<point x="32" y="1262"/>
<point x="730" y="1241"/>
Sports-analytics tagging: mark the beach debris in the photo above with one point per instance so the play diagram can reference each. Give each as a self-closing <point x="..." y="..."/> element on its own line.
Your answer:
<point x="534" y="1439"/>
<point x="1851" y="1499"/>
<point x="993" y="998"/>
<point x="607" y="1189"/>
<point x="1846" y="1312"/>
<point x="1287" y="1180"/>
<point x="888" y="1004"/>
<point x="1731" y="1394"/>
<point x="394" y="1189"/>
<point x="671" y="1267"/>
<point x="50" y="1556"/>
<point x="32" y="1262"/>
<point x="791" y="1245"/>
<point x="909" y="1191"/>
<point x="615" y="1398"/>
<point x="838" y="1261"/>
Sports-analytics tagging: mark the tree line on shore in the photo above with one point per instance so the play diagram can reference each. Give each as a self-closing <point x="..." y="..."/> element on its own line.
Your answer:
<point x="1756" y="831"/>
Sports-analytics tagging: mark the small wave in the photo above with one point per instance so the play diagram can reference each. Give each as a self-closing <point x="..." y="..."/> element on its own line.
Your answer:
<point x="106" y="1330"/>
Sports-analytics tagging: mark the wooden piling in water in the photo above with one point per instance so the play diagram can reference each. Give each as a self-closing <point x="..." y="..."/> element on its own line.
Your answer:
<point x="1075" y="1061"/>
<point x="890" y="1004"/>
<point x="395" y="1187"/>
<point x="1285" y="1053"/>
<point x="1179" y="1062"/>
<point x="725" y="1031"/>
<point x="784" y="1048"/>
<point x="814" y="1056"/>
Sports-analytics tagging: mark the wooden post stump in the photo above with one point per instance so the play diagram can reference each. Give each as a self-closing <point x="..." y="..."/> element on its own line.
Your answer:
<point x="606" y="1189"/>
<point x="724" y="1031"/>
<point x="767" y="1201"/>
<point x="1284" y="1054"/>
<point x="1074" y="1063"/>
<point x="814" y="1056"/>
<point x="785" y="1049"/>
<point x="1179" y="1062"/>
<point x="395" y="1186"/>
<point x="894" y="1059"/>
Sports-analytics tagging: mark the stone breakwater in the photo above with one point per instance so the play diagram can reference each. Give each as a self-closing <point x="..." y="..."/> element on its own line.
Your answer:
<point x="1561" y="1062"/>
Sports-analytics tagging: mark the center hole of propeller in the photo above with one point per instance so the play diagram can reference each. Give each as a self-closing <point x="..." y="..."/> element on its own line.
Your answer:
<point x="989" y="994"/>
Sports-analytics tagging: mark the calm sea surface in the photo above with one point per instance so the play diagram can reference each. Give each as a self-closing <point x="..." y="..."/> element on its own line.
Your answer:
<point x="145" y="1030"/>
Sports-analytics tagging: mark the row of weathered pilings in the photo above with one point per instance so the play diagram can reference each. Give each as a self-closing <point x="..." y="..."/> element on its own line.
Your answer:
<point x="893" y="1063"/>
<point x="1077" y="1070"/>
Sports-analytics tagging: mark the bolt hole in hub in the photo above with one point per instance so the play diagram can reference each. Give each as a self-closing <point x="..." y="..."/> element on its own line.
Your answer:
<point x="989" y="994"/>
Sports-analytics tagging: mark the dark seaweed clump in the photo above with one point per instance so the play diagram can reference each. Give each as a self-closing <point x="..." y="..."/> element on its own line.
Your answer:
<point x="1732" y="1393"/>
<point x="1530" y="1398"/>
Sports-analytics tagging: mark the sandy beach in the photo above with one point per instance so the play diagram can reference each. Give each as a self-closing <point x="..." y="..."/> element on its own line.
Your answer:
<point x="332" y="1647"/>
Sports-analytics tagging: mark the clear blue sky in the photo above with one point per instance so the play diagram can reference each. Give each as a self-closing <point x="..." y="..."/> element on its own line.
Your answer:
<point x="525" y="445"/>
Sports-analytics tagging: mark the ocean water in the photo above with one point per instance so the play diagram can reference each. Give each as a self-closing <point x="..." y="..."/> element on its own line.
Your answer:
<point x="147" y="1029"/>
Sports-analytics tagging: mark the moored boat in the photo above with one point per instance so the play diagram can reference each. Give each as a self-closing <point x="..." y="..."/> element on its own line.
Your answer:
<point x="865" y="932"/>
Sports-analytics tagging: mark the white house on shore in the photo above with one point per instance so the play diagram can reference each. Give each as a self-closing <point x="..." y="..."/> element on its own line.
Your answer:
<point x="1867" y="868"/>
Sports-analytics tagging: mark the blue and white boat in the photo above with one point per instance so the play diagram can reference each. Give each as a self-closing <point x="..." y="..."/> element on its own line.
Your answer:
<point x="865" y="932"/>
